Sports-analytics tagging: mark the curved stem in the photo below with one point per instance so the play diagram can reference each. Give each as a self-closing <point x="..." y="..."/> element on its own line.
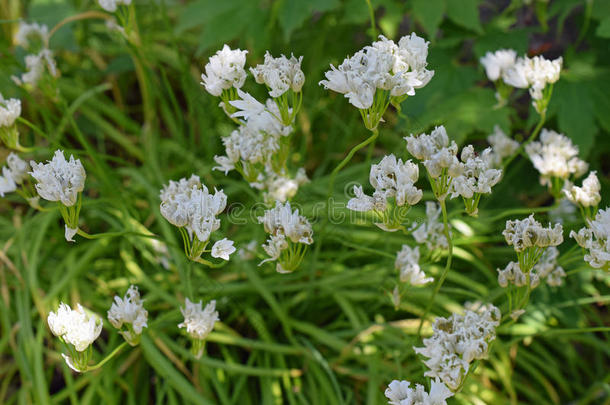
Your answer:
<point x="531" y="138"/>
<point x="112" y="234"/>
<point x="345" y="161"/>
<point x="445" y="270"/>
<point x="107" y="358"/>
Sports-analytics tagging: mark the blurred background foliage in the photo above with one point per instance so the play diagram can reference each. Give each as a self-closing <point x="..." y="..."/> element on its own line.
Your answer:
<point x="328" y="334"/>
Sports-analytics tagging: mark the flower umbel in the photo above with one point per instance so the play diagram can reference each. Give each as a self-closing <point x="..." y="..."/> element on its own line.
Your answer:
<point x="198" y="323"/>
<point x="129" y="312"/>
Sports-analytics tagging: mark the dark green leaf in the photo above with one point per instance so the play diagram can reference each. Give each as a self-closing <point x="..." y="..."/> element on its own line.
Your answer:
<point x="603" y="29"/>
<point x="430" y="14"/>
<point x="465" y="13"/>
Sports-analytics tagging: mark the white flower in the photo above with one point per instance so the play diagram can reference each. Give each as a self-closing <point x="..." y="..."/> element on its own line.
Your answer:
<point x="436" y="152"/>
<point x="225" y="70"/>
<point x="75" y="326"/>
<point x="19" y="168"/>
<point x="526" y="233"/>
<point x="501" y="145"/>
<point x="129" y="310"/>
<point x="111" y="5"/>
<point x="400" y="393"/>
<point x="498" y="62"/>
<point x="35" y="65"/>
<point x="547" y="268"/>
<point x="281" y="220"/>
<point x="59" y="180"/>
<point x="69" y="233"/>
<point x="280" y="74"/>
<point x="223" y="248"/>
<point x="407" y="261"/>
<point x="555" y="156"/>
<point x="188" y="203"/>
<point x="512" y="274"/>
<point x="10" y="110"/>
<point x="26" y="31"/>
<point x="399" y="69"/>
<point x="7" y="183"/>
<point x="282" y="188"/>
<point x="431" y="232"/>
<point x="596" y="239"/>
<point x="198" y="323"/>
<point x="456" y="342"/>
<point x="587" y="195"/>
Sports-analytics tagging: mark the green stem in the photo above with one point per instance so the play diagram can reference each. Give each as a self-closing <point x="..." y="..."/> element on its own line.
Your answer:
<point x="107" y="358"/>
<point x="531" y="138"/>
<point x="445" y="270"/>
<point x="372" y="17"/>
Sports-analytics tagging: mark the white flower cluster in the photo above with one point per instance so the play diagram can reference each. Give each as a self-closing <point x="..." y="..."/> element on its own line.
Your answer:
<point x="225" y="70"/>
<point x="188" y="203"/>
<point x="36" y="65"/>
<point x="280" y="187"/>
<point x="497" y="63"/>
<point x="588" y="195"/>
<point x="546" y="269"/>
<point x="397" y="69"/>
<point x="10" y="110"/>
<point x="280" y="74"/>
<point x="478" y="176"/>
<point x="407" y="262"/>
<point x="595" y="238"/>
<point x="555" y="156"/>
<point x="198" y="322"/>
<point x="501" y="145"/>
<point x="75" y="327"/>
<point x="526" y="233"/>
<point x="59" y="179"/>
<point x="401" y="393"/>
<point x="129" y="311"/>
<point x="431" y="232"/>
<point x="438" y="155"/>
<point x="111" y="5"/>
<point x="456" y="342"/>
<point x="285" y="228"/>
<point x="29" y="32"/>
<point x="391" y="178"/>
<point x="13" y="175"/>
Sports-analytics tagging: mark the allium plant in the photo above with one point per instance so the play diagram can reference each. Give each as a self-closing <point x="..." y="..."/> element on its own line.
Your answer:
<point x="198" y="323"/>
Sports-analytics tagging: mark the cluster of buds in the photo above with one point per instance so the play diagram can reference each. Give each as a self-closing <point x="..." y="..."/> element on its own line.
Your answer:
<point x="456" y="342"/>
<point x="395" y="192"/>
<point x="189" y="205"/>
<point x="537" y="74"/>
<point x="62" y="181"/>
<point x="289" y="236"/>
<point x="556" y="159"/>
<point x="380" y="74"/>
<point x="595" y="239"/>
<point x="407" y="262"/>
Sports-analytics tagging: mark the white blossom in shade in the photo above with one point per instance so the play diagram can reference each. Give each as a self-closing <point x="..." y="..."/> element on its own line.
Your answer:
<point x="223" y="249"/>
<point x="399" y="69"/>
<point x="70" y="233"/>
<point x="401" y="393"/>
<point x="527" y="232"/>
<point x="432" y="231"/>
<point x="282" y="220"/>
<point x="533" y="73"/>
<point x="436" y="152"/>
<point x="477" y="176"/>
<point x="407" y="262"/>
<point x="19" y="168"/>
<point x="10" y="110"/>
<point x="281" y="187"/>
<point x="130" y="311"/>
<point x="198" y="322"/>
<point x="456" y="342"/>
<point x="248" y="251"/>
<point x="564" y="212"/>
<point x="363" y="203"/>
<point x="188" y="203"/>
<point x="26" y="32"/>
<point x="260" y="117"/>
<point x="7" y="182"/>
<point x="225" y="70"/>
<point x="547" y="268"/>
<point x="588" y="195"/>
<point x="274" y="246"/>
<point x="555" y="156"/>
<point x="74" y="326"/>
<point x="59" y="179"/>
<point x="595" y="238"/>
<point x="498" y="62"/>
<point x="280" y="74"/>
<point x="111" y="5"/>
<point x="501" y="145"/>
<point x="35" y="65"/>
<point x="512" y="274"/>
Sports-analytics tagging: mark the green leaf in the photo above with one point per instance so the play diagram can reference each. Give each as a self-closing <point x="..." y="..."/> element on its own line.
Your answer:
<point x="203" y="11"/>
<point x="603" y="29"/>
<point x="465" y="13"/>
<point x="430" y="14"/>
<point x="575" y="114"/>
<point x="293" y="13"/>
